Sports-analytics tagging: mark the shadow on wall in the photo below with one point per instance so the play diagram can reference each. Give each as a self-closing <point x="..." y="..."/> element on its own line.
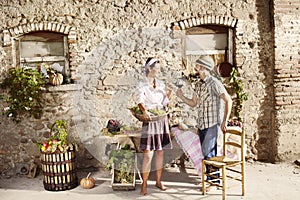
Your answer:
<point x="108" y="81"/>
<point x="266" y="142"/>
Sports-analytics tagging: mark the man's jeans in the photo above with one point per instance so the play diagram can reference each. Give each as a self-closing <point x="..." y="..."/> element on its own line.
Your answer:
<point x="208" y="139"/>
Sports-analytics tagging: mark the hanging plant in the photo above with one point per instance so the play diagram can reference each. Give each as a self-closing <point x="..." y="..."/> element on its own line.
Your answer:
<point x="238" y="89"/>
<point x="24" y="90"/>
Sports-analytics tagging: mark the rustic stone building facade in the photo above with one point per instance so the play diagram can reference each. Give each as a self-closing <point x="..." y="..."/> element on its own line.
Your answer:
<point x="108" y="42"/>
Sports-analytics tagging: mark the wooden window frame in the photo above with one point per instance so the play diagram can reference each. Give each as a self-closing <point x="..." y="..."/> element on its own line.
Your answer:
<point x="211" y="29"/>
<point x="23" y="61"/>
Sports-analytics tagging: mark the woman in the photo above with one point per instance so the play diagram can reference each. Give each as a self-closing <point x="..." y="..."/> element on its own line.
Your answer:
<point x="151" y="94"/>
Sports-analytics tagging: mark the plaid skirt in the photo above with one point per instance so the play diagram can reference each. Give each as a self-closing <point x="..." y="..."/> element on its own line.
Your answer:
<point x="156" y="135"/>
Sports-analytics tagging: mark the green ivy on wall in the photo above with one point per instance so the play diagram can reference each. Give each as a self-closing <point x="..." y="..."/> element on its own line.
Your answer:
<point x="23" y="90"/>
<point x="238" y="89"/>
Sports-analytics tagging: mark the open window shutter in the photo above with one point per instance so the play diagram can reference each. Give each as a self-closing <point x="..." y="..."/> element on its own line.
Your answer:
<point x="230" y="46"/>
<point x="16" y="52"/>
<point x="66" y="55"/>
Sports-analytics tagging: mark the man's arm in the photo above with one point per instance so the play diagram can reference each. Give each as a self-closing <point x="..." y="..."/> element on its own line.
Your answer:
<point x="191" y="102"/>
<point x="228" y="105"/>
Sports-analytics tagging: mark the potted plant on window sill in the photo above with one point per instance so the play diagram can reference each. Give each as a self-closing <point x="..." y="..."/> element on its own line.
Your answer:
<point x="58" y="159"/>
<point x="122" y="164"/>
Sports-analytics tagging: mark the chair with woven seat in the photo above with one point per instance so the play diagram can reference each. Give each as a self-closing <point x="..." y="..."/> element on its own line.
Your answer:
<point x="226" y="167"/>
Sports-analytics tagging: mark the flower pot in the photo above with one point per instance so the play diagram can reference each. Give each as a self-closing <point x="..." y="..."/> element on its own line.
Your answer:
<point x="59" y="170"/>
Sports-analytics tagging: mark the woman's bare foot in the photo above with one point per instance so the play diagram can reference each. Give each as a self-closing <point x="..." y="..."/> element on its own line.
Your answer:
<point x="143" y="190"/>
<point x="161" y="186"/>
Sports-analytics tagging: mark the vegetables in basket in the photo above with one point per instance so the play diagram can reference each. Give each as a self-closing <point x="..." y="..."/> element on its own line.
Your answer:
<point x="154" y="114"/>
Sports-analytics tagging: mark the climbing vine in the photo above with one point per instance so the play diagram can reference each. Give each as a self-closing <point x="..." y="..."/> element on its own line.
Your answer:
<point x="23" y="92"/>
<point x="238" y="89"/>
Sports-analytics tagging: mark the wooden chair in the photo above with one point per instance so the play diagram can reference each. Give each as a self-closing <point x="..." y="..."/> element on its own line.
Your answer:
<point x="228" y="168"/>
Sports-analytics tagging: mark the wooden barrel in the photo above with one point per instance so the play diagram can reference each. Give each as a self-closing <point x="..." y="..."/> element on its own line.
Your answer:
<point x="59" y="171"/>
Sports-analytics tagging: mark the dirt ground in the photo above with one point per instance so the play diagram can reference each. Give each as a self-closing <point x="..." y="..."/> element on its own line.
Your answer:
<point x="263" y="181"/>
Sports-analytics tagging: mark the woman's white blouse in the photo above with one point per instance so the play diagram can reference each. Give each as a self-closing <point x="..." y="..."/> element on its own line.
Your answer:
<point x="150" y="97"/>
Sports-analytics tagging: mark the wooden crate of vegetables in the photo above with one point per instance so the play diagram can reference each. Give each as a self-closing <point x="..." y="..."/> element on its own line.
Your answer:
<point x="122" y="163"/>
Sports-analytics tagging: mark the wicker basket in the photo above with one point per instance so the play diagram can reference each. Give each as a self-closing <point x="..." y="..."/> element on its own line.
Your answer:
<point x="152" y="118"/>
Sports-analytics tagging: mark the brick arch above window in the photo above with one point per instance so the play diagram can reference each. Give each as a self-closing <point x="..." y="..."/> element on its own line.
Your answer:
<point x="42" y="26"/>
<point x="69" y="31"/>
<point x="204" y="20"/>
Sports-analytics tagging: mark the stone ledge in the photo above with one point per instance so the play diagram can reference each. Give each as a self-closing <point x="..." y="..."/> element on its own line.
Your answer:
<point x="62" y="88"/>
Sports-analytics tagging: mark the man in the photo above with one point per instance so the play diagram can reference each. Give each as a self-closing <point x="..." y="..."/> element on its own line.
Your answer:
<point x="209" y="96"/>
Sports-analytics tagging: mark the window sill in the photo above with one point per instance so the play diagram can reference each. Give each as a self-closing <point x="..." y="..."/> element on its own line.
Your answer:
<point x="63" y="88"/>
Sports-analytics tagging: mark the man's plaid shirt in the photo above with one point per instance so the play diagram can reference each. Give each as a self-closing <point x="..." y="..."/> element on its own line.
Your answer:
<point x="210" y="105"/>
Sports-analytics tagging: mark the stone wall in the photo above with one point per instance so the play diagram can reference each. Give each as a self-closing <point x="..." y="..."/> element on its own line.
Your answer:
<point x="113" y="40"/>
<point x="286" y="78"/>
<point x="264" y="137"/>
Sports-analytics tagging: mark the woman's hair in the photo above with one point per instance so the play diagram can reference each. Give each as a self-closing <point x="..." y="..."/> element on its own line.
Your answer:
<point x="150" y="63"/>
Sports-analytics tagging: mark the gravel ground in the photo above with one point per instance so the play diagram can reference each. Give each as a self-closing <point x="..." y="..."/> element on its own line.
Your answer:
<point x="263" y="181"/>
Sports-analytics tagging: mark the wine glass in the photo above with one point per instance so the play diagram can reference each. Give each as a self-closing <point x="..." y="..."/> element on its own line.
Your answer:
<point x="179" y="83"/>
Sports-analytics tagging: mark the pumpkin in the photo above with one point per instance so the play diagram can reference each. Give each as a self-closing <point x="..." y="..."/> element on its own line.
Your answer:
<point x="87" y="182"/>
<point x="56" y="79"/>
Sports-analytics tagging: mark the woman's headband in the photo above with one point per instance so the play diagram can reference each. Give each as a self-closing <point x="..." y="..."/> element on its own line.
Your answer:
<point x="148" y="64"/>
